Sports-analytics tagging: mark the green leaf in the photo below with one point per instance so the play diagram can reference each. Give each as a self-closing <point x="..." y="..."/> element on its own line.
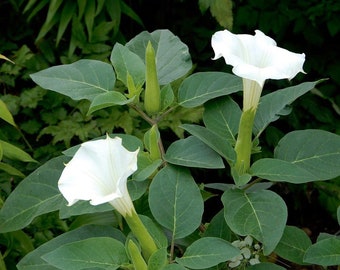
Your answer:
<point x="316" y="151"/>
<point x="207" y="252"/>
<point x="174" y="267"/>
<point x="175" y="201"/>
<point x="167" y="96"/>
<point x="5" y="114"/>
<point x="325" y="252"/>
<point x="126" y="62"/>
<point x="172" y="55"/>
<point x="97" y="252"/>
<point x="222" y="116"/>
<point x="37" y="194"/>
<point x="219" y="144"/>
<point x="223" y="13"/>
<point x="84" y="79"/>
<point x="219" y="228"/>
<point x="33" y="260"/>
<point x="261" y="214"/>
<point x="12" y="152"/>
<point x="265" y="266"/>
<point x="192" y="152"/>
<point x="108" y="99"/>
<point x="293" y="244"/>
<point x="278" y="170"/>
<point x="158" y="260"/>
<point x="203" y="86"/>
<point x="66" y="16"/>
<point x="273" y="105"/>
<point x="11" y="171"/>
<point x="338" y="214"/>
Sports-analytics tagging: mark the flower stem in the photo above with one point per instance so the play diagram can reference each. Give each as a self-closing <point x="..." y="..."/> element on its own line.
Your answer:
<point x="139" y="230"/>
<point x="244" y="144"/>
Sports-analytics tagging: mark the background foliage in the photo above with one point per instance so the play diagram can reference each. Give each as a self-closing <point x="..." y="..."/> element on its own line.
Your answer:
<point x="40" y="34"/>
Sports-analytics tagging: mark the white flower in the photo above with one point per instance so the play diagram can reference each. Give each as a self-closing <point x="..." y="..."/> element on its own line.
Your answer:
<point x="255" y="59"/>
<point x="98" y="172"/>
<point x="254" y="260"/>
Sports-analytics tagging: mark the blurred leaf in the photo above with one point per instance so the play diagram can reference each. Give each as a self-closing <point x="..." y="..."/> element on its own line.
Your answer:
<point x="11" y="171"/>
<point x="84" y="79"/>
<point x="207" y="252"/>
<point x="222" y="10"/>
<point x="5" y="114"/>
<point x="293" y="245"/>
<point x="192" y="152"/>
<point x="262" y="214"/>
<point x="175" y="201"/>
<point x="265" y="266"/>
<point x="12" y="152"/>
<point x="67" y="13"/>
<point x="90" y="14"/>
<point x="173" y="59"/>
<point x="203" y="86"/>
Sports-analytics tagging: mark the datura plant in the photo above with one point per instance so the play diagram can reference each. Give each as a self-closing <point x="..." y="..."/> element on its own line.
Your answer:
<point x="146" y="189"/>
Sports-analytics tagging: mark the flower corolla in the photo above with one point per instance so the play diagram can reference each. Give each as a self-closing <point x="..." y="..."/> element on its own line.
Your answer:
<point x="255" y="59"/>
<point x="98" y="172"/>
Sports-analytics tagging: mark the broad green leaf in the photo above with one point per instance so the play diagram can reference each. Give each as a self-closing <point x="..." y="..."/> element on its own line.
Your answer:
<point x="158" y="260"/>
<point x="265" y="266"/>
<point x="219" y="144"/>
<point x="126" y="62"/>
<point x="203" y="86"/>
<point x="104" y="218"/>
<point x="84" y="79"/>
<point x="325" y="252"/>
<point x="261" y="214"/>
<point x="97" y="252"/>
<point x="273" y="105"/>
<point x="316" y="151"/>
<point x="175" y="201"/>
<point x="5" y="114"/>
<point x="219" y="228"/>
<point x="167" y="96"/>
<point x="155" y="231"/>
<point x="293" y="244"/>
<point x="278" y="170"/>
<point x="222" y="116"/>
<point x="33" y="260"/>
<point x="174" y="267"/>
<point x="172" y="55"/>
<point x="207" y="252"/>
<point x="108" y="99"/>
<point x="192" y="152"/>
<point x="12" y="152"/>
<point x="11" y="171"/>
<point x="37" y="194"/>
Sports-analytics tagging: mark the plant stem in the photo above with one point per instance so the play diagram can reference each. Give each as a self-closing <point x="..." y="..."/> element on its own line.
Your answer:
<point x="244" y="143"/>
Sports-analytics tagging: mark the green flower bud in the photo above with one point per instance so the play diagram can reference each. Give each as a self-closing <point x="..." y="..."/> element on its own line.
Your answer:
<point x="136" y="256"/>
<point x="152" y="97"/>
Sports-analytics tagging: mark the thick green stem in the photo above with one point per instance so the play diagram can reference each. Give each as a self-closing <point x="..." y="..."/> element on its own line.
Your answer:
<point x="138" y="229"/>
<point x="244" y="143"/>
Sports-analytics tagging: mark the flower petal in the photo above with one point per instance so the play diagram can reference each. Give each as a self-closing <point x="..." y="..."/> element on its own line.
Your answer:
<point x="98" y="172"/>
<point x="256" y="57"/>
